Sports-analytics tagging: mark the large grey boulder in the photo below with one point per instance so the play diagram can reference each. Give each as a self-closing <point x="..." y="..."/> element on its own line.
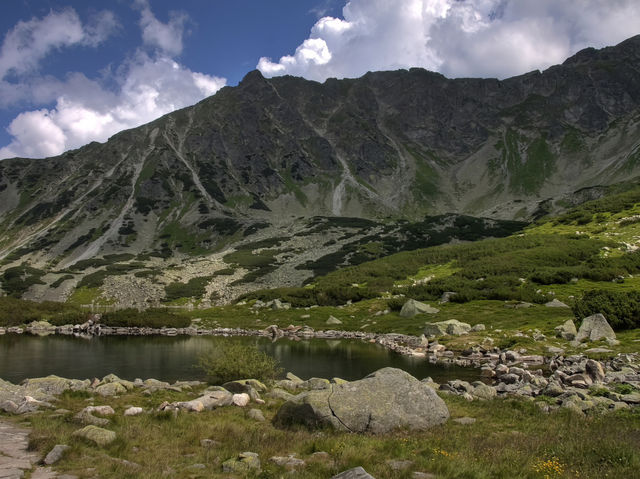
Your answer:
<point x="412" y="307"/>
<point x="381" y="402"/>
<point x="595" y="327"/>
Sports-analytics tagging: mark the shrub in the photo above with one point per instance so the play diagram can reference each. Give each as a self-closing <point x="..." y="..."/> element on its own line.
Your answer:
<point x="194" y="288"/>
<point x="17" y="280"/>
<point x="151" y="318"/>
<point x="14" y="312"/>
<point x="396" y="304"/>
<point x="232" y="360"/>
<point x="622" y="309"/>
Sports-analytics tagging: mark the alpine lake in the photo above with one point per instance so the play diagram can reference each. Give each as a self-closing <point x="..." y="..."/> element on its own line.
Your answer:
<point x="176" y="358"/>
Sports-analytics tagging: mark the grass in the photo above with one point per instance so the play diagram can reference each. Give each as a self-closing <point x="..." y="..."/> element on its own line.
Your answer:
<point x="510" y="438"/>
<point x="85" y="295"/>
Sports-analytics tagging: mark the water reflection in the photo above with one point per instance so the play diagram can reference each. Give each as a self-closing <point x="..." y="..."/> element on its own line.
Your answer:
<point x="172" y="358"/>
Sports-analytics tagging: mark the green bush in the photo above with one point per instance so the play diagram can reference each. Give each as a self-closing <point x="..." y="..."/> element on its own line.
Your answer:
<point x="17" y="280"/>
<point x="396" y="304"/>
<point x="14" y="312"/>
<point x="151" y="318"/>
<point x="231" y="360"/>
<point x="194" y="288"/>
<point x="622" y="309"/>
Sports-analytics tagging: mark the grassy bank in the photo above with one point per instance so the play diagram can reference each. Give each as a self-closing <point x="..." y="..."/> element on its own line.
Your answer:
<point x="510" y="438"/>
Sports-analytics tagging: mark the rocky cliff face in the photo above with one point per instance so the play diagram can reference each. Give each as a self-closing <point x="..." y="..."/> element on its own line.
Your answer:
<point x="396" y="144"/>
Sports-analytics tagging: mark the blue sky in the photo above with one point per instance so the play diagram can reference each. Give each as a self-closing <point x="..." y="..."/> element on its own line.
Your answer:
<point x="74" y="71"/>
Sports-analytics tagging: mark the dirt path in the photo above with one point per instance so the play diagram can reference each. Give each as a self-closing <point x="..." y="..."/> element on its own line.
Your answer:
<point x="15" y="461"/>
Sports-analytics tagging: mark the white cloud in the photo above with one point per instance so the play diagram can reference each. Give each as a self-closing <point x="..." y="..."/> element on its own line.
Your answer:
<point x="165" y="36"/>
<point x="29" y="42"/>
<point x="149" y="85"/>
<point x="148" y="88"/>
<point x="486" y="38"/>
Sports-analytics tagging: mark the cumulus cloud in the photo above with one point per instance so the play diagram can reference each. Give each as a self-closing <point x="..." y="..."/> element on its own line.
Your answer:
<point x="148" y="84"/>
<point x="165" y="36"/>
<point x="487" y="38"/>
<point x="29" y="42"/>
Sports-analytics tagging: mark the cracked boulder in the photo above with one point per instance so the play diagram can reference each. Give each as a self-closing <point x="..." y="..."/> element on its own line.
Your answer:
<point x="385" y="400"/>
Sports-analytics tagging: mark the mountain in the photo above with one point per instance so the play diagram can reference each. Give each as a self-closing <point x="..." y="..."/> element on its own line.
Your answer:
<point x="262" y="159"/>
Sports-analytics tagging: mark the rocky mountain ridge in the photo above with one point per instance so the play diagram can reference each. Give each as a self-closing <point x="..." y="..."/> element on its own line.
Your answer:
<point x="258" y="157"/>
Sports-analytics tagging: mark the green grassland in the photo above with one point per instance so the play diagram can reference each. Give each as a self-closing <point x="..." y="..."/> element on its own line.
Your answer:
<point x="510" y="438"/>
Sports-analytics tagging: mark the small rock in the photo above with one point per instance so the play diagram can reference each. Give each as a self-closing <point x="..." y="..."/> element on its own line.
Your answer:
<point x="245" y="462"/>
<point x="209" y="443"/>
<point x="355" y="473"/>
<point x="412" y="308"/>
<point x="399" y="464"/>
<point x="333" y="320"/>
<point x="241" y="399"/>
<point x="555" y="303"/>
<point x="290" y="462"/>
<point x="102" y="437"/>
<point x="465" y="420"/>
<point x="595" y="370"/>
<point x="55" y="454"/>
<point x="566" y="330"/>
<point x="256" y="414"/>
<point x="133" y="411"/>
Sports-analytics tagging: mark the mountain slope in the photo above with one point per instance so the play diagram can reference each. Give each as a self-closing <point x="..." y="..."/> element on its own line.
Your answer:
<point x="401" y="144"/>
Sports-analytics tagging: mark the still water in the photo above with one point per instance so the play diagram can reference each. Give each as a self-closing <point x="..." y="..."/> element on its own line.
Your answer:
<point x="173" y="358"/>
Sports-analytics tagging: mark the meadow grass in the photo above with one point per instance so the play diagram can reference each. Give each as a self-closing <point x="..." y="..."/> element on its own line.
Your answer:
<point x="511" y="438"/>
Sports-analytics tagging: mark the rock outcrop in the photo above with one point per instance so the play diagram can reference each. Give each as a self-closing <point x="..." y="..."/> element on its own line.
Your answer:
<point x="381" y="402"/>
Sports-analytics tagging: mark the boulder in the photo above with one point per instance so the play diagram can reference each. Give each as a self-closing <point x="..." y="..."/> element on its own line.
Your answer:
<point x="566" y="330"/>
<point x="452" y="326"/>
<point x="595" y="371"/>
<point x="133" y="411"/>
<point x="315" y="384"/>
<point x="412" y="307"/>
<point x="216" y="398"/>
<point x="289" y="462"/>
<point x="244" y="385"/>
<point x="555" y="303"/>
<point x="355" y="473"/>
<point x="101" y="437"/>
<point x="333" y="320"/>
<point x="55" y="454"/>
<point x="381" y="402"/>
<point x="256" y="414"/>
<point x="595" y="327"/>
<point x="244" y="463"/>
<point x="241" y="399"/>
<point x="111" y="389"/>
<point x="52" y="386"/>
